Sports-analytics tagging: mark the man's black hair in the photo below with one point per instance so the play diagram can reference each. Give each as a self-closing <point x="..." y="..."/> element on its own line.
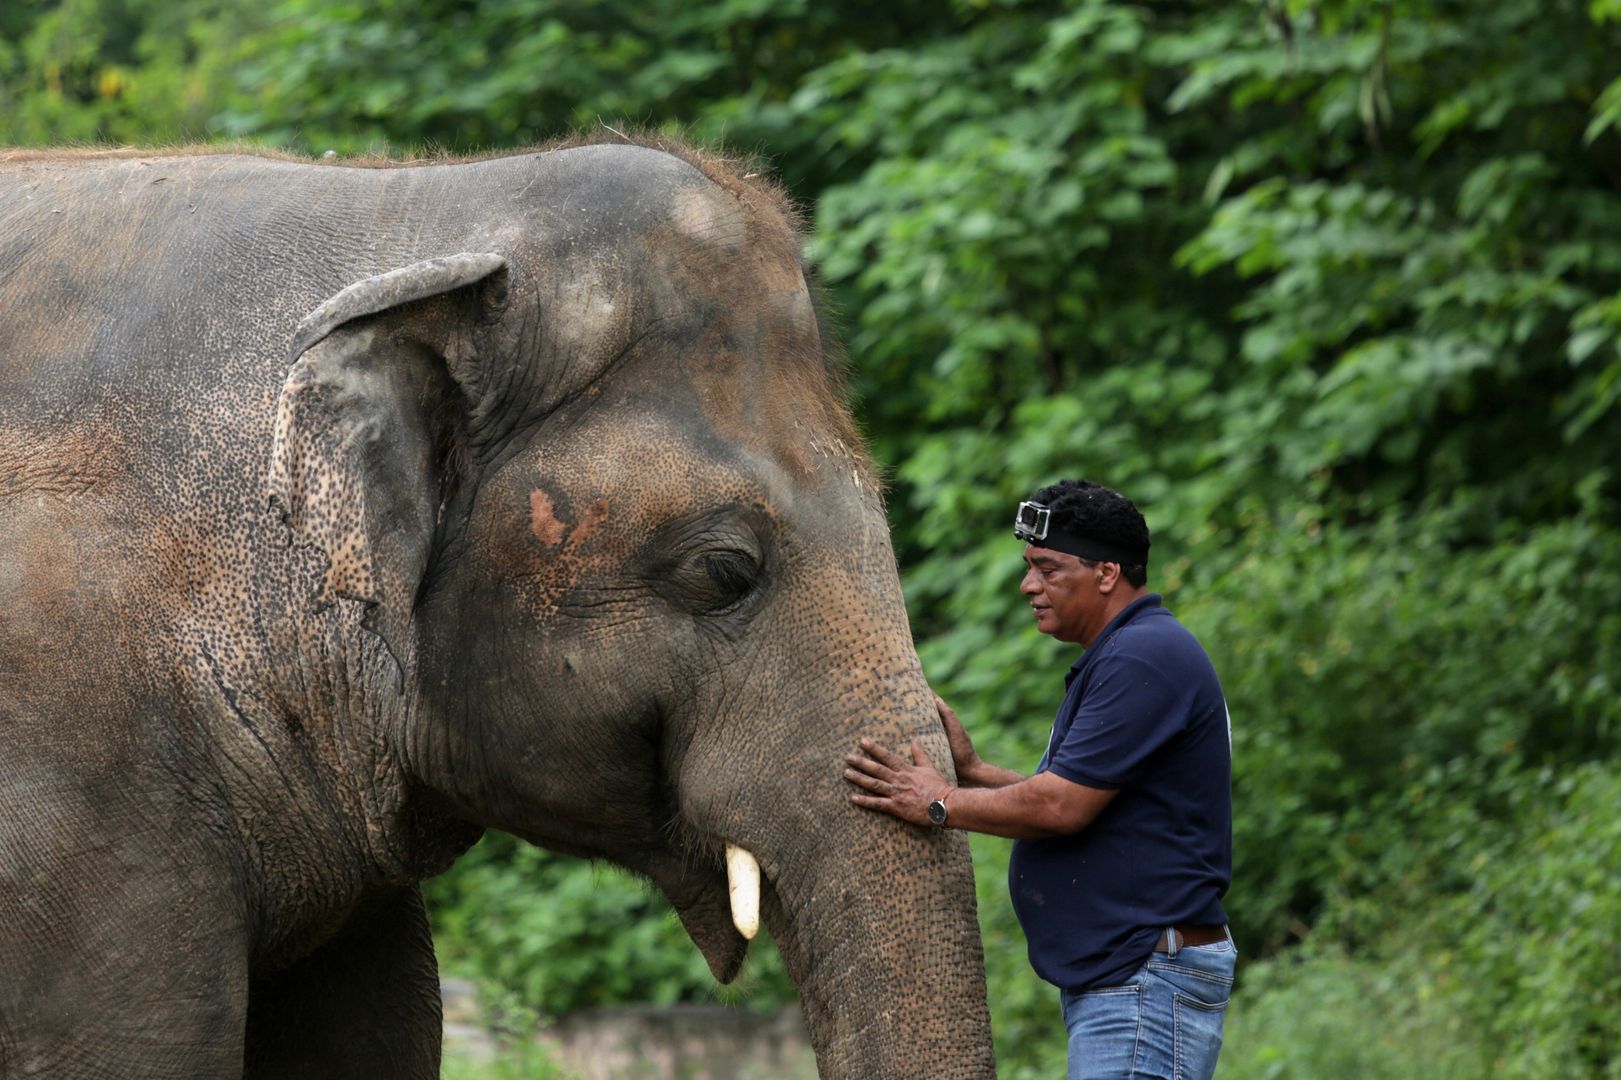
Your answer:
<point x="1083" y="508"/>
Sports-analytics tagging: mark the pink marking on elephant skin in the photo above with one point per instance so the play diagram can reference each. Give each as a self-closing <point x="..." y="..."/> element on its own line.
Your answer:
<point x="595" y="515"/>
<point x="542" y="520"/>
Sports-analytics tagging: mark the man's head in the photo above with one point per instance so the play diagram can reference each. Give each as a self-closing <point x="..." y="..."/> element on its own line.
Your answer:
<point x="1086" y="559"/>
<point x="1092" y="522"/>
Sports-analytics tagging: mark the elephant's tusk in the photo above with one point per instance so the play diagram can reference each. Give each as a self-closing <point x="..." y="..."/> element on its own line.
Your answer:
<point x="743" y="882"/>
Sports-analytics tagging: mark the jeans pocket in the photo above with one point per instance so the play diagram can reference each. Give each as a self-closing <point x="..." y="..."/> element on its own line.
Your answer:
<point x="1197" y="1036"/>
<point x="1104" y="1028"/>
<point x="1203" y="973"/>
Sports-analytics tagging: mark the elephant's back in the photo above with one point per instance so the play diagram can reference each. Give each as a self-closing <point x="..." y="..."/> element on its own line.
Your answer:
<point x="154" y="297"/>
<point x="151" y="280"/>
<point x="147" y="304"/>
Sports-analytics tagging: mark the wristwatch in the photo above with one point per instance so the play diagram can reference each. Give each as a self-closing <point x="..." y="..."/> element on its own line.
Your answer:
<point x="937" y="808"/>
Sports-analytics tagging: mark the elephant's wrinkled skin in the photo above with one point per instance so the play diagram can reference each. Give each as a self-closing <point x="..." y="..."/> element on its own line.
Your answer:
<point x="346" y="511"/>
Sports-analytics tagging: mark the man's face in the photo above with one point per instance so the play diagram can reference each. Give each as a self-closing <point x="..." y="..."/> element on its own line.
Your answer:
<point x="1064" y="593"/>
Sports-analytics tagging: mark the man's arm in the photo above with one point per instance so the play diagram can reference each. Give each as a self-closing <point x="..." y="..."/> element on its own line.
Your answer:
<point x="1037" y="806"/>
<point x="1045" y="804"/>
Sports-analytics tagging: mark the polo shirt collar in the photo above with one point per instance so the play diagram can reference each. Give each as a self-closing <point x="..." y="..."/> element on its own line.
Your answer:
<point x="1127" y="613"/>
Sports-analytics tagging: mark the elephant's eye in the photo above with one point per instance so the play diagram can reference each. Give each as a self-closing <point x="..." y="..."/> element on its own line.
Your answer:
<point x="711" y="564"/>
<point x="732" y="576"/>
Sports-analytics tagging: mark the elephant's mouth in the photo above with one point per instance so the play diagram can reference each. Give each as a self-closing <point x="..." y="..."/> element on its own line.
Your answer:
<point x="719" y="905"/>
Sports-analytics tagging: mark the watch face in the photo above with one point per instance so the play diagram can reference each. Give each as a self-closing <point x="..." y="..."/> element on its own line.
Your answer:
<point x="937" y="812"/>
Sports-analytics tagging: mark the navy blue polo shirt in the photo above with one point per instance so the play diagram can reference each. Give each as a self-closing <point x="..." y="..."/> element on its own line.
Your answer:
<point x="1144" y="715"/>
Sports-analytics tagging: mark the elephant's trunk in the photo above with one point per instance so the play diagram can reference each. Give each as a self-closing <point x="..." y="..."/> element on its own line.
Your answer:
<point x="881" y="937"/>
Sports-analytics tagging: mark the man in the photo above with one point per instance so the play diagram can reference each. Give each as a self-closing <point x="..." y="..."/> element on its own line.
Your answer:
<point x="1123" y="836"/>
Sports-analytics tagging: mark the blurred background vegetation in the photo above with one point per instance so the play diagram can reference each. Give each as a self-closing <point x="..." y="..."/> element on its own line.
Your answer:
<point x="1332" y="288"/>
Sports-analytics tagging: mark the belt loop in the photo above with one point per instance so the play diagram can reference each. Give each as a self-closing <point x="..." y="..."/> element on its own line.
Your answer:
<point x="1173" y="943"/>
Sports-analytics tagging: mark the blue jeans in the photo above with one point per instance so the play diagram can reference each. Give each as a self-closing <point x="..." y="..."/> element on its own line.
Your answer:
<point x="1163" y="1023"/>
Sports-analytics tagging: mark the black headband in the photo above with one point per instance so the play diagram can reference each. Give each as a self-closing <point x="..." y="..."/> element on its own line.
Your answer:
<point x="1084" y="547"/>
<point x="1033" y="523"/>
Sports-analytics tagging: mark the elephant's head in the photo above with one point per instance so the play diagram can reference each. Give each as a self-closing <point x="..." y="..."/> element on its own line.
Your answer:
<point x="598" y="487"/>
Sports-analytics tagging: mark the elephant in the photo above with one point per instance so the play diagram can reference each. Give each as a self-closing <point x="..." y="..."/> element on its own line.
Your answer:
<point x="349" y="509"/>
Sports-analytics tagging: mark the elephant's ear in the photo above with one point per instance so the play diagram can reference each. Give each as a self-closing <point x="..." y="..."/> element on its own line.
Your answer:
<point x="354" y="462"/>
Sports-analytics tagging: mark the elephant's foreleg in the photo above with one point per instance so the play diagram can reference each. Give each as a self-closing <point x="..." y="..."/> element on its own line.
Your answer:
<point x="123" y="952"/>
<point x="365" y="1004"/>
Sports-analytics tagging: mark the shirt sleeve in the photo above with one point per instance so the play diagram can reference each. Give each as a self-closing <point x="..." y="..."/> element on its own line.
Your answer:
<point x="1128" y="712"/>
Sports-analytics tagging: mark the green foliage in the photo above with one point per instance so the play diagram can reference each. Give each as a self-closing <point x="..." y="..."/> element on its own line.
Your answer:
<point x="1361" y="664"/>
<point x="86" y="71"/>
<point x="510" y="72"/>
<point x="1331" y="287"/>
<point x="1333" y="1015"/>
<point x="1501" y="971"/>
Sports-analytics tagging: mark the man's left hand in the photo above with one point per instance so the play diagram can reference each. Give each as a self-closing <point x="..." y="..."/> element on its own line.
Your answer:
<point x="892" y="784"/>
